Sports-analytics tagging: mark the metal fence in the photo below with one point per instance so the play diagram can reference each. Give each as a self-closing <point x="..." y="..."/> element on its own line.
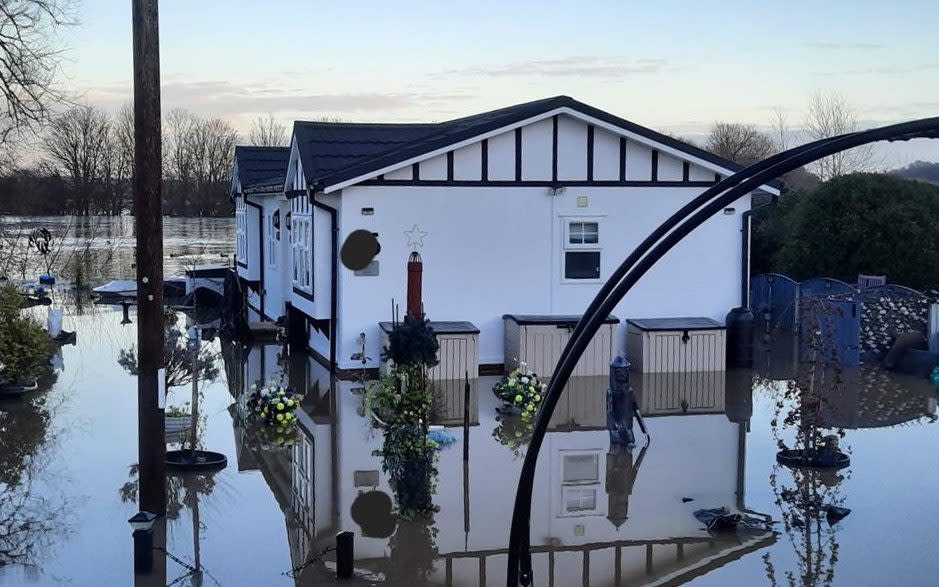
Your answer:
<point x="837" y="321"/>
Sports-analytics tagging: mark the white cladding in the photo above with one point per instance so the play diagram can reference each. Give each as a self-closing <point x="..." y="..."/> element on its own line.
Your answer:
<point x="495" y="250"/>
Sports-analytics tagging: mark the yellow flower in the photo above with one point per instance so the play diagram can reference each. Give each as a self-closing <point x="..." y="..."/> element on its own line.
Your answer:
<point x="280" y="416"/>
<point x="280" y="406"/>
<point x="537" y="398"/>
<point x="518" y="399"/>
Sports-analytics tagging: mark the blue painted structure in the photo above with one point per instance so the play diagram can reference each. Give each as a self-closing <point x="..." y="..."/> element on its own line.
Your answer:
<point x="829" y="330"/>
<point x="825" y="286"/>
<point x="774" y="301"/>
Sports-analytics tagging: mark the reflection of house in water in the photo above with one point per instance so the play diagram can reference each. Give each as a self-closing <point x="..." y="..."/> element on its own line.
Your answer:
<point x="599" y="517"/>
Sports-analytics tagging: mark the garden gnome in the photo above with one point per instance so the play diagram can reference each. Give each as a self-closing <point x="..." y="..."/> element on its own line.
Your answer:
<point x="619" y="404"/>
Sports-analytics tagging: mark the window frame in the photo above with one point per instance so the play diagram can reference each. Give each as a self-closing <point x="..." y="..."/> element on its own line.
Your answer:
<point x="569" y="247"/>
<point x="301" y="245"/>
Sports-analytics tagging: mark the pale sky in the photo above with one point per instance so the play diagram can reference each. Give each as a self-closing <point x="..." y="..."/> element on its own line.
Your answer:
<point x="673" y="65"/>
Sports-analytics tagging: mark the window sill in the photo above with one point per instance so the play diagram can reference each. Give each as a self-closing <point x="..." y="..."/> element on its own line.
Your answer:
<point x="581" y="281"/>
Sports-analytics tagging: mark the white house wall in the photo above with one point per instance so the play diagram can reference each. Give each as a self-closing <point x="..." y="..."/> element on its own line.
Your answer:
<point x="496" y="250"/>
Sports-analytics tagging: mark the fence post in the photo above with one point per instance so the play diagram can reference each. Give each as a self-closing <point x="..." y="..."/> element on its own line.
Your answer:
<point x="932" y="328"/>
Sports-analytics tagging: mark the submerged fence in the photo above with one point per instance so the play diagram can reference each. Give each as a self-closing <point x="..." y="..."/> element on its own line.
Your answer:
<point x="837" y="320"/>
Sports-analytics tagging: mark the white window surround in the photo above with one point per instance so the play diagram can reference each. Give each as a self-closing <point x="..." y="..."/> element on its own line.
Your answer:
<point x="241" y="231"/>
<point x="580" y="234"/>
<point x="273" y="240"/>
<point x="580" y="483"/>
<point x="301" y="245"/>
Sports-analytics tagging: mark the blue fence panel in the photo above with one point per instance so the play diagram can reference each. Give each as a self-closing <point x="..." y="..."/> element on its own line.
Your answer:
<point x="829" y="330"/>
<point x="773" y="300"/>
<point x="886" y="312"/>
<point x="827" y="287"/>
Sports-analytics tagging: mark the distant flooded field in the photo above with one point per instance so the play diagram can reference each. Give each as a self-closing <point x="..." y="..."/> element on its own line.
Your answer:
<point x="104" y="246"/>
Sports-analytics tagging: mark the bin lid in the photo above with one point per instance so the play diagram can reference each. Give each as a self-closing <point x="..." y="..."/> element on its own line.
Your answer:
<point x="552" y="320"/>
<point x="442" y="327"/>
<point x="698" y="323"/>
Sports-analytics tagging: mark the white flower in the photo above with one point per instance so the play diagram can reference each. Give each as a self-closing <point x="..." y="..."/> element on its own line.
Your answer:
<point x="525" y="380"/>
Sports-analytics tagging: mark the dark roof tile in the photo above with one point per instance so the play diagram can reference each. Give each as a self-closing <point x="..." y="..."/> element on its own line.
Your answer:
<point x="332" y="153"/>
<point x="260" y="167"/>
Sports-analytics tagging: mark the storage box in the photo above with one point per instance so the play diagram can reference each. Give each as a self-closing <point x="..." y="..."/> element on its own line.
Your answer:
<point x="459" y="350"/>
<point x="670" y="345"/>
<point x="538" y="340"/>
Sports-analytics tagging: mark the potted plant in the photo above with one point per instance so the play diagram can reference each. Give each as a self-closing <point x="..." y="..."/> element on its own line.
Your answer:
<point x="273" y="407"/>
<point x="25" y="346"/>
<point x="521" y="392"/>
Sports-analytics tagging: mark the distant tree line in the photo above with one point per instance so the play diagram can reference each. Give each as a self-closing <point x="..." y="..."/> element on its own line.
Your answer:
<point x="86" y="160"/>
<point x="868" y="223"/>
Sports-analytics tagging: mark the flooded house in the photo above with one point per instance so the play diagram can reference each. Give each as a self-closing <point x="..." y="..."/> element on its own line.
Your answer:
<point x="519" y="212"/>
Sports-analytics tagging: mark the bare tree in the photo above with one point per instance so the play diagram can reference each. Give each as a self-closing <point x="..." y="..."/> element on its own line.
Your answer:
<point x="780" y="128"/>
<point x="266" y="131"/>
<point x="829" y="115"/>
<point x="741" y="143"/>
<point x="29" y="61"/>
<point x="199" y="157"/>
<point x="76" y="142"/>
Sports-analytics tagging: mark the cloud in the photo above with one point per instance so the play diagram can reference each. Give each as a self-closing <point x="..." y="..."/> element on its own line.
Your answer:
<point x="227" y="99"/>
<point x="838" y="46"/>
<point x="573" y="66"/>
<point x="885" y="70"/>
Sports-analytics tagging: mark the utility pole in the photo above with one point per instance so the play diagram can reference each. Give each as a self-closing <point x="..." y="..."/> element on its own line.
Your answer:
<point x="148" y="216"/>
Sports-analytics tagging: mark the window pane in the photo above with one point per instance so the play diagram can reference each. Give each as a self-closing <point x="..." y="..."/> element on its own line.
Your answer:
<point x="581" y="500"/>
<point x="580" y="233"/>
<point x="581" y="468"/>
<point x="582" y="265"/>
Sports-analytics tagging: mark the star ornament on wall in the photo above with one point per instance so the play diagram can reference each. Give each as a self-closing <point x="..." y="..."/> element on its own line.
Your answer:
<point x="415" y="237"/>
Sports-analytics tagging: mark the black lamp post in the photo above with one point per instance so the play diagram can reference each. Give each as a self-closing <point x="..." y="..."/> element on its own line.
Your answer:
<point x="142" y="524"/>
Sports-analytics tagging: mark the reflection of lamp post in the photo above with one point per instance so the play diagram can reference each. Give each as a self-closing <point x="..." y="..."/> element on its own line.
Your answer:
<point x="125" y="305"/>
<point x="142" y="524"/>
<point x="193" y="336"/>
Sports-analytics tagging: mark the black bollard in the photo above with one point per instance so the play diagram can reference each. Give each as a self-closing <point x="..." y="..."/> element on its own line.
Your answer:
<point x="620" y="406"/>
<point x="345" y="551"/>
<point x="142" y="524"/>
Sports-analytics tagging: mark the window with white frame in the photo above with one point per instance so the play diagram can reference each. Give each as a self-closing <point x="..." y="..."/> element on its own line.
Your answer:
<point x="273" y="237"/>
<point x="582" y="249"/>
<point x="580" y="483"/>
<point x="241" y="230"/>
<point x="301" y="243"/>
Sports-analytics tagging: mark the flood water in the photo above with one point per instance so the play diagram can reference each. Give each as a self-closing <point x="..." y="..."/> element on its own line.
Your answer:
<point x="104" y="246"/>
<point x="600" y="516"/>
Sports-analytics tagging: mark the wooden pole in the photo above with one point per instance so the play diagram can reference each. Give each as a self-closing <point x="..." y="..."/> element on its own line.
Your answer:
<point x="148" y="192"/>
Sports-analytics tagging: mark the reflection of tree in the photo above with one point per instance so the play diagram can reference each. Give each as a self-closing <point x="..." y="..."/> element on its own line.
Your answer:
<point x="413" y="552"/>
<point x="28" y="520"/>
<point x="799" y="417"/>
<point x="24" y="425"/>
<point x="182" y="490"/>
<point x="177" y="357"/>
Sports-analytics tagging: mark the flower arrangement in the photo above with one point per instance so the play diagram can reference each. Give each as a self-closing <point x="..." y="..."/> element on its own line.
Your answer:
<point x="275" y="406"/>
<point x="521" y="391"/>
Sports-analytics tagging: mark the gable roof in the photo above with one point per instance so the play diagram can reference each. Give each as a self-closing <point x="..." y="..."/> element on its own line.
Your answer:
<point x="332" y="153"/>
<point x="257" y="168"/>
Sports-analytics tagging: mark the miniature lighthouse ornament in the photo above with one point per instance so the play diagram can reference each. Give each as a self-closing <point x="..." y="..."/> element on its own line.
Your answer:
<point x="415" y="276"/>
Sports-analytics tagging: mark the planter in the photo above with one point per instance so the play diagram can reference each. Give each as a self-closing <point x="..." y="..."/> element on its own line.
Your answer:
<point x="195" y="460"/>
<point x="798" y="458"/>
